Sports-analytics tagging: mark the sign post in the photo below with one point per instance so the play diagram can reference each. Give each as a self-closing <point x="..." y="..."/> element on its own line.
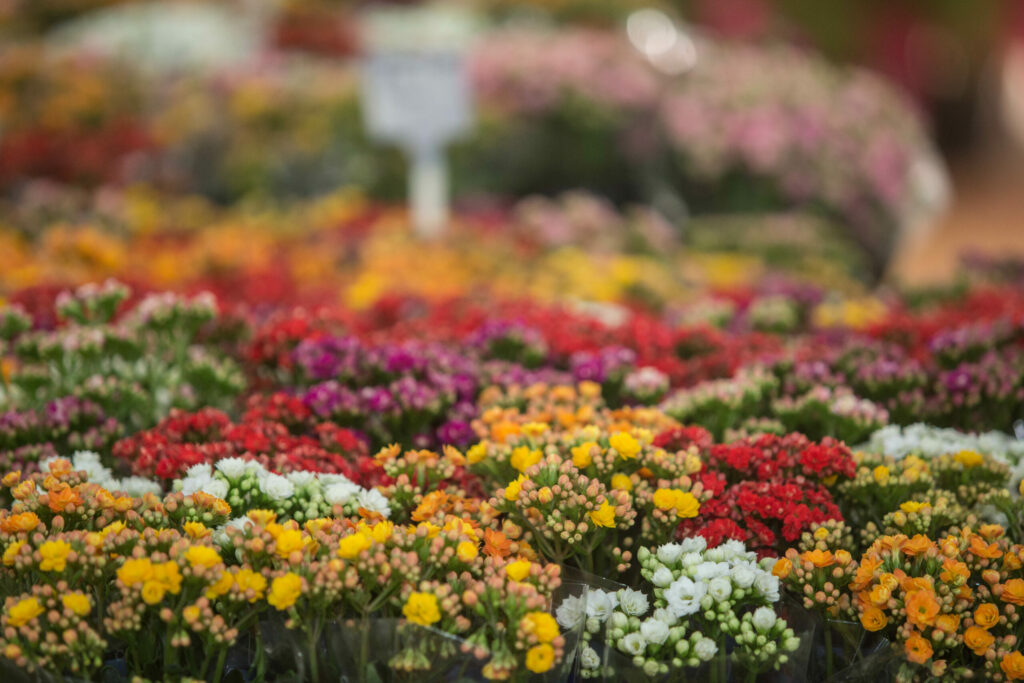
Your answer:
<point x="416" y="94"/>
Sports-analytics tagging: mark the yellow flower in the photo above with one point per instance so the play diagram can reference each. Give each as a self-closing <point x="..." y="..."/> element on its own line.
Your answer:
<point x="625" y="444"/>
<point x="523" y="457"/>
<point x="112" y="528"/>
<point x="476" y="453"/>
<point x="11" y="552"/>
<point x="881" y="474"/>
<point x="248" y="580"/>
<point x="542" y="625"/>
<point x="196" y="530"/>
<point x="540" y="658"/>
<point x="544" y="494"/>
<point x="687" y="505"/>
<point x="222" y="586"/>
<point x="78" y="603"/>
<point x="914" y="506"/>
<point x="421" y="608"/>
<point x="514" y="487"/>
<point x="968" y="458"/>
<point x="202" y="556"/>
<point x="23" y="612"/>
<point x="535" y="428"/>
<point x="518" y="570"/>
<point x="353" y="544"/>
<point x="55" y="556"/>
<point x="622" y="482"/>
<point x="432" y="529"/>
<point x="604" y="515"/>
<point x="665" y="499"/>
<point x="153" y="592"/>
<point x="287" y="542"/>
<point x="467" y="551"/>
<point x="285" y="590"/>
<point x="135" y="571"/>
<point x="262" y="517"/>
<point x="382" y="531"/>
<point x="581" y="454"/>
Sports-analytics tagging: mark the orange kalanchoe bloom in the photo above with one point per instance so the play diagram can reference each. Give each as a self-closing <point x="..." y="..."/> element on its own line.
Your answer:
<point x="987" y="615"/>
<point x="1013" y="666"/>
<point x="918" y="545"/>
<point x="61" y="497"/>
<point x="496" y="544"/>
<point x="947" y="623"/>
<point x="24" y="521"/>
<point x="818" y="558"/>
<point x="918" y="649"/>
<point x="980" y="548"/>
<point x="1013" y="592"/>
<point x="865" y="573"/>
<point x="978" y="640"/>
<point x="873" y="619"/>
<point x="953" y="572"/>
<point x="922" y="608"/>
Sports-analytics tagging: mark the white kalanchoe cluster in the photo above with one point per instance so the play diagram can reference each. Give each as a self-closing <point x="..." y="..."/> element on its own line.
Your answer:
<point x="90" y="463"/>
<point x="927" y="441"/>
<point x="702" y="599"/>
<point x="247" y="485"/>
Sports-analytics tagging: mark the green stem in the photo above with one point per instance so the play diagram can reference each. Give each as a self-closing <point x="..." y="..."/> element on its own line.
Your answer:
<point x="828" y="652"/>
<point x="364" y="651"/>
<point x="220" y="665"/>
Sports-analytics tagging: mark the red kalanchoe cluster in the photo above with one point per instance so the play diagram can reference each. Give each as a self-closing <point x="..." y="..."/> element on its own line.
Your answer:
<point x="770" y="457"/>
<point x="681" y="438"/>
<point x="185" y="439"/>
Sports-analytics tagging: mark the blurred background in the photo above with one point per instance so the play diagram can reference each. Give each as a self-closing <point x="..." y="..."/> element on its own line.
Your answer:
<point x="878" y="142"/>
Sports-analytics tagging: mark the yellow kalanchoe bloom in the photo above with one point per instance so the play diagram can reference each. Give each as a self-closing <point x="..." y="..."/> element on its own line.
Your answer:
<point x="540" y="658"/>
<point x="78" y="603"/>
<point x="627" y="446"/>
<point x="518" y="570"/>
<point x="604" y="516"/>
<point x="581" y="454"/>
<point x="24" y="611"/>
<point x="285" y="590"/>
<point x="353" y="544"/>
<point x="55" y="556"/>
<point x="524" y="457"/>
<point x="422" y="609"/>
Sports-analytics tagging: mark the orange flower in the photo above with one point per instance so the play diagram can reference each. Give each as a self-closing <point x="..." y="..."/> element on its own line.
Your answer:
<point x="918" y="545"/>
<point x="980" y="548"/>
<point x="496" y="544"/>
<point x="502" y="430"/>
<point x="62" y="497"/>
<point x="953" y="572"/>
<point x="879" y="595"/>
<point x="947" y="623"/>
<point x="429" y="506"/>
<point x="1013" y="666"/>
<point x="1011" y="562"/>
<point x="819" y="558"/>
<point x="949" y="547"/>
<point x="865" y="573"/>
<point x="987" y="615"/>
<point x="978" y="640"/>
<point x="922" y="608"/>
<point x="991" y="531"/>
<point x="24" y="521"/>
<point x="918" y="649"/>
<point x="873" y="619"/>
<point x="1013" y="591"/>
<point x="782" y="568"/>
<point x="909" y="584"/>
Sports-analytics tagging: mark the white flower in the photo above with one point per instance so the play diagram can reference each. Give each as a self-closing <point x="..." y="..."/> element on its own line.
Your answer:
<point x="768" y="586"/>
<point x="190" y="485"/>
<point x="710" y="570"/>
<point x="662" y="614"/>
<point x="600" y="604"/>
<point x="720" y="588"/>
<point x="232" y="468"/>
<point x="662" y="577"/>
<point x="199" y="471"/>
<point x="684" y="595"/>
<point x="276" y="487"/>
<point x="374" y="501"/>
<point x="571" y="612"/>
<point x="137" y="486"/>
<point x="743" y="575"/>
<point x="218" y="488"/>
<point x="705" y="649"/>
<point x="301" y="478"/>
<point x="590" y="659"/>
<point x="763" y="619"/>
<point x="692" y="559"/>
<point x="694" y="544"/>
<point x="340" y="492"/>
<point x="733" y="548"/>
<point x="715" y="555"/>
<point x="633" y="644"/>
<point x="654" y="631"/>
<point x="670" y="553"/>
<point x="634" y="603"/>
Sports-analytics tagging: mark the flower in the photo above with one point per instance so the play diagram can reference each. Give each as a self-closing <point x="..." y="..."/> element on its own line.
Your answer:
<point x="11" y="552"/>
<point x="467" y="551"/>
<point x="978" y="640"/>
<point x="670" y="553"/>
<point x="514" y="487"/>
<point x="622" y="482"/>
<point x="881" y="474"/>
<point x="986" y="615"/>
<point x="662" y="577"/>
<point x="763" y="619"/>
<point x="24" y="611"/>
<point x="78" y="603"/>
<point x="541" y="624"/>
<point x="421" y="609"/>
<point x="918" y="649"/>
<point x="782" y="568"/>
<point x="633" y="643"/>
<point x="55" y="556"/>
<point x="287" y="542"/>
<point x="873" y="619"/>
<point x="818" y="558"/>
<point x="540" y="658"/>
<point x="350" y="546"/>
<point x="969" y="458"/>
<point x="654" y="631"/>
<point x="571" y="612"/>
<point x="285" y="590"/>
<point x="518" y="570"/>
<point x="202" y="556"/>
<point x="523" y="458"/>
<point x="634" y="603"/>
<point x="1012" y="665"/>
<point x="684" y="595"/>
<point x="600" y="604"/>
<point x="581" y="454"/>
<point x="1013" y="592"/>
<point x="914" y="506"/>
<point x="705" y="649"/>
<point x="922" y="608"/>
<point x="604" y="516"/>
<point x="627" y="446"/>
